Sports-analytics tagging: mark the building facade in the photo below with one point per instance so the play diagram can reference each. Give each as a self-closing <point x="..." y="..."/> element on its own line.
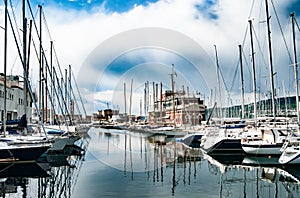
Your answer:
<point x="15" y="103"/>
<point x="180" y="110"/>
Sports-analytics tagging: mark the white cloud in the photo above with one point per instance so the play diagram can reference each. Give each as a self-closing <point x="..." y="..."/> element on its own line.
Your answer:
<point x="77" y="33"/>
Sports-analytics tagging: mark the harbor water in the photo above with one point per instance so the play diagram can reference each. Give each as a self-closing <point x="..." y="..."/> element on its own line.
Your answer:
<point x="120" y="163"/>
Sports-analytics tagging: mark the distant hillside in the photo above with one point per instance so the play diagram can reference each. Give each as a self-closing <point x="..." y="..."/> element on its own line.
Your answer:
<point x="284" y="107"/>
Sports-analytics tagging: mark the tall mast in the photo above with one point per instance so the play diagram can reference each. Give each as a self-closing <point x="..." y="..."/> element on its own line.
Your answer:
<point x="45" y="92"/>
<point x="27" y="64"/>
<point x="51" y="84"/>
<point x="130" y="101"/>
<point x="71" y="101"/>
<point x="141" y="107"/>
<point x="271" y="62"/>
<point x="295" y="68"/>
<point x="125" y="102"/>
<point x="156" y="100"/>
<point x="153" y="89"/>
<point x="66" y="90"/>
<point x="40" y="66"/>
<point x="145" y="99"/>
<point x="254" y="74"/>
<point x="5" y="66"/>
<point x="218" y="77"/>
<point x="242" y="81"/>
<point x="173" y="94"/>
<point x="24" y="55"/>
<point x="160" y="106"/>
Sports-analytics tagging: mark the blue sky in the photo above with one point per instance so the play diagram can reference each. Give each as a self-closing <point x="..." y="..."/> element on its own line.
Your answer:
<point x="88" y="5"/>
<point x="87" y="36"/>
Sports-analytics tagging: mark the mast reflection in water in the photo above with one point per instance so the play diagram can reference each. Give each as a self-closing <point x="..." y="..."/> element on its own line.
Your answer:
<point x="119" y="163"/>
<point x="53" y="175"/>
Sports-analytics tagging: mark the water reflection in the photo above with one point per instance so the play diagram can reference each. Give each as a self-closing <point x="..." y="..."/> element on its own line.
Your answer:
<point x="147" y="160"/>
<point x="261" y="176"/>
<point x="53" y="175"/>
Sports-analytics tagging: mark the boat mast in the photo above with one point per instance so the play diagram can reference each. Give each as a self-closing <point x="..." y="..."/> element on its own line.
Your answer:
<point x="5" y="66"/>
<point x="160" y="108"/>
<point x="173" y="93"/>
<point x="295" y="68"/>
<point x="242" y="81"/>
<point x="66" y="91"/>
<point x="271" y="62"/>
<point x="153" y="95"/>
<point x="145" y="99"/>
<point x="40" y="67"/>
<point x="156" y="101"/>
<point x="253" y="73"/>
<point x="27" y="64"/>
<point x="141" y="107"/>
<point x="130" y="101"/>
<point x="218" y="78"/>
<point x="71" y="101"/>
<point x="25" y="72"/>
<point x="51" y="84"/>
<point x="125" y="102"/>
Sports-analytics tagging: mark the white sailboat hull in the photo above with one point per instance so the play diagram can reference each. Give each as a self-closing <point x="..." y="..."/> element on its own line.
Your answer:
<point x="290" y="156"/>
<point x="262" y="149"/>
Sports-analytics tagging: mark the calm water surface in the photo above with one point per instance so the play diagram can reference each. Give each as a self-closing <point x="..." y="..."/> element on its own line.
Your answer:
<point x="119" y="163"/>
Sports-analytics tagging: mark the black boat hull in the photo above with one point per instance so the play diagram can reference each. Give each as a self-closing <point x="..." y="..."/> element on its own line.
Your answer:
<point x="231" y="146"/>
<point x="22" y="153"/>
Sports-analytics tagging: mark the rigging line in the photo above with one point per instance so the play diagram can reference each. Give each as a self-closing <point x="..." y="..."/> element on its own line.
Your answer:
<point x="35" y="49"/>
<point x="260" y="50"/>
<point x="36" y="13"/>
<point x="14" y="64"/>
<point x="281" y="31"/>
<point x="247" y="64"/>
<point x="251" y="9"/>
<point x="297" y="24"/>
<point x="15" y="21"/>
<point x="234" y="77"/>
<point x="75" y="103"/>
<point x="58" y="64"/>
<point x="77" y="108"/>
<point x="33" y="18"/>
<point x="261" y="53"/>
<point x="47" y="89"/>
<point x="36" y="29"/>
<point x="245" y="36"/>
<point x="37" y="55"/>
<point x="26" y="77"/>
<point x="243" y="44"/>
<point x="59" y="87"/>
<point x="225" y="85"/>
<point x="49" y="94"/>
<point x="46" y="24"/>
<point x="61" y="93"/>
<point x="79" y="93"/>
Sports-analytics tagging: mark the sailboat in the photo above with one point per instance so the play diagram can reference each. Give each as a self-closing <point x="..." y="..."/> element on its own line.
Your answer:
<point x="267" y="142"/>
<point x="13" y="152"/>
<point x="227" y="137"/>
<point x="270" y="137"/>
<point x="291" y="149"/>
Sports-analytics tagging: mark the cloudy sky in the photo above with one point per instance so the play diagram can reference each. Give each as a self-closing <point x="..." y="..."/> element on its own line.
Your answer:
<point x="112" y="42"/>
